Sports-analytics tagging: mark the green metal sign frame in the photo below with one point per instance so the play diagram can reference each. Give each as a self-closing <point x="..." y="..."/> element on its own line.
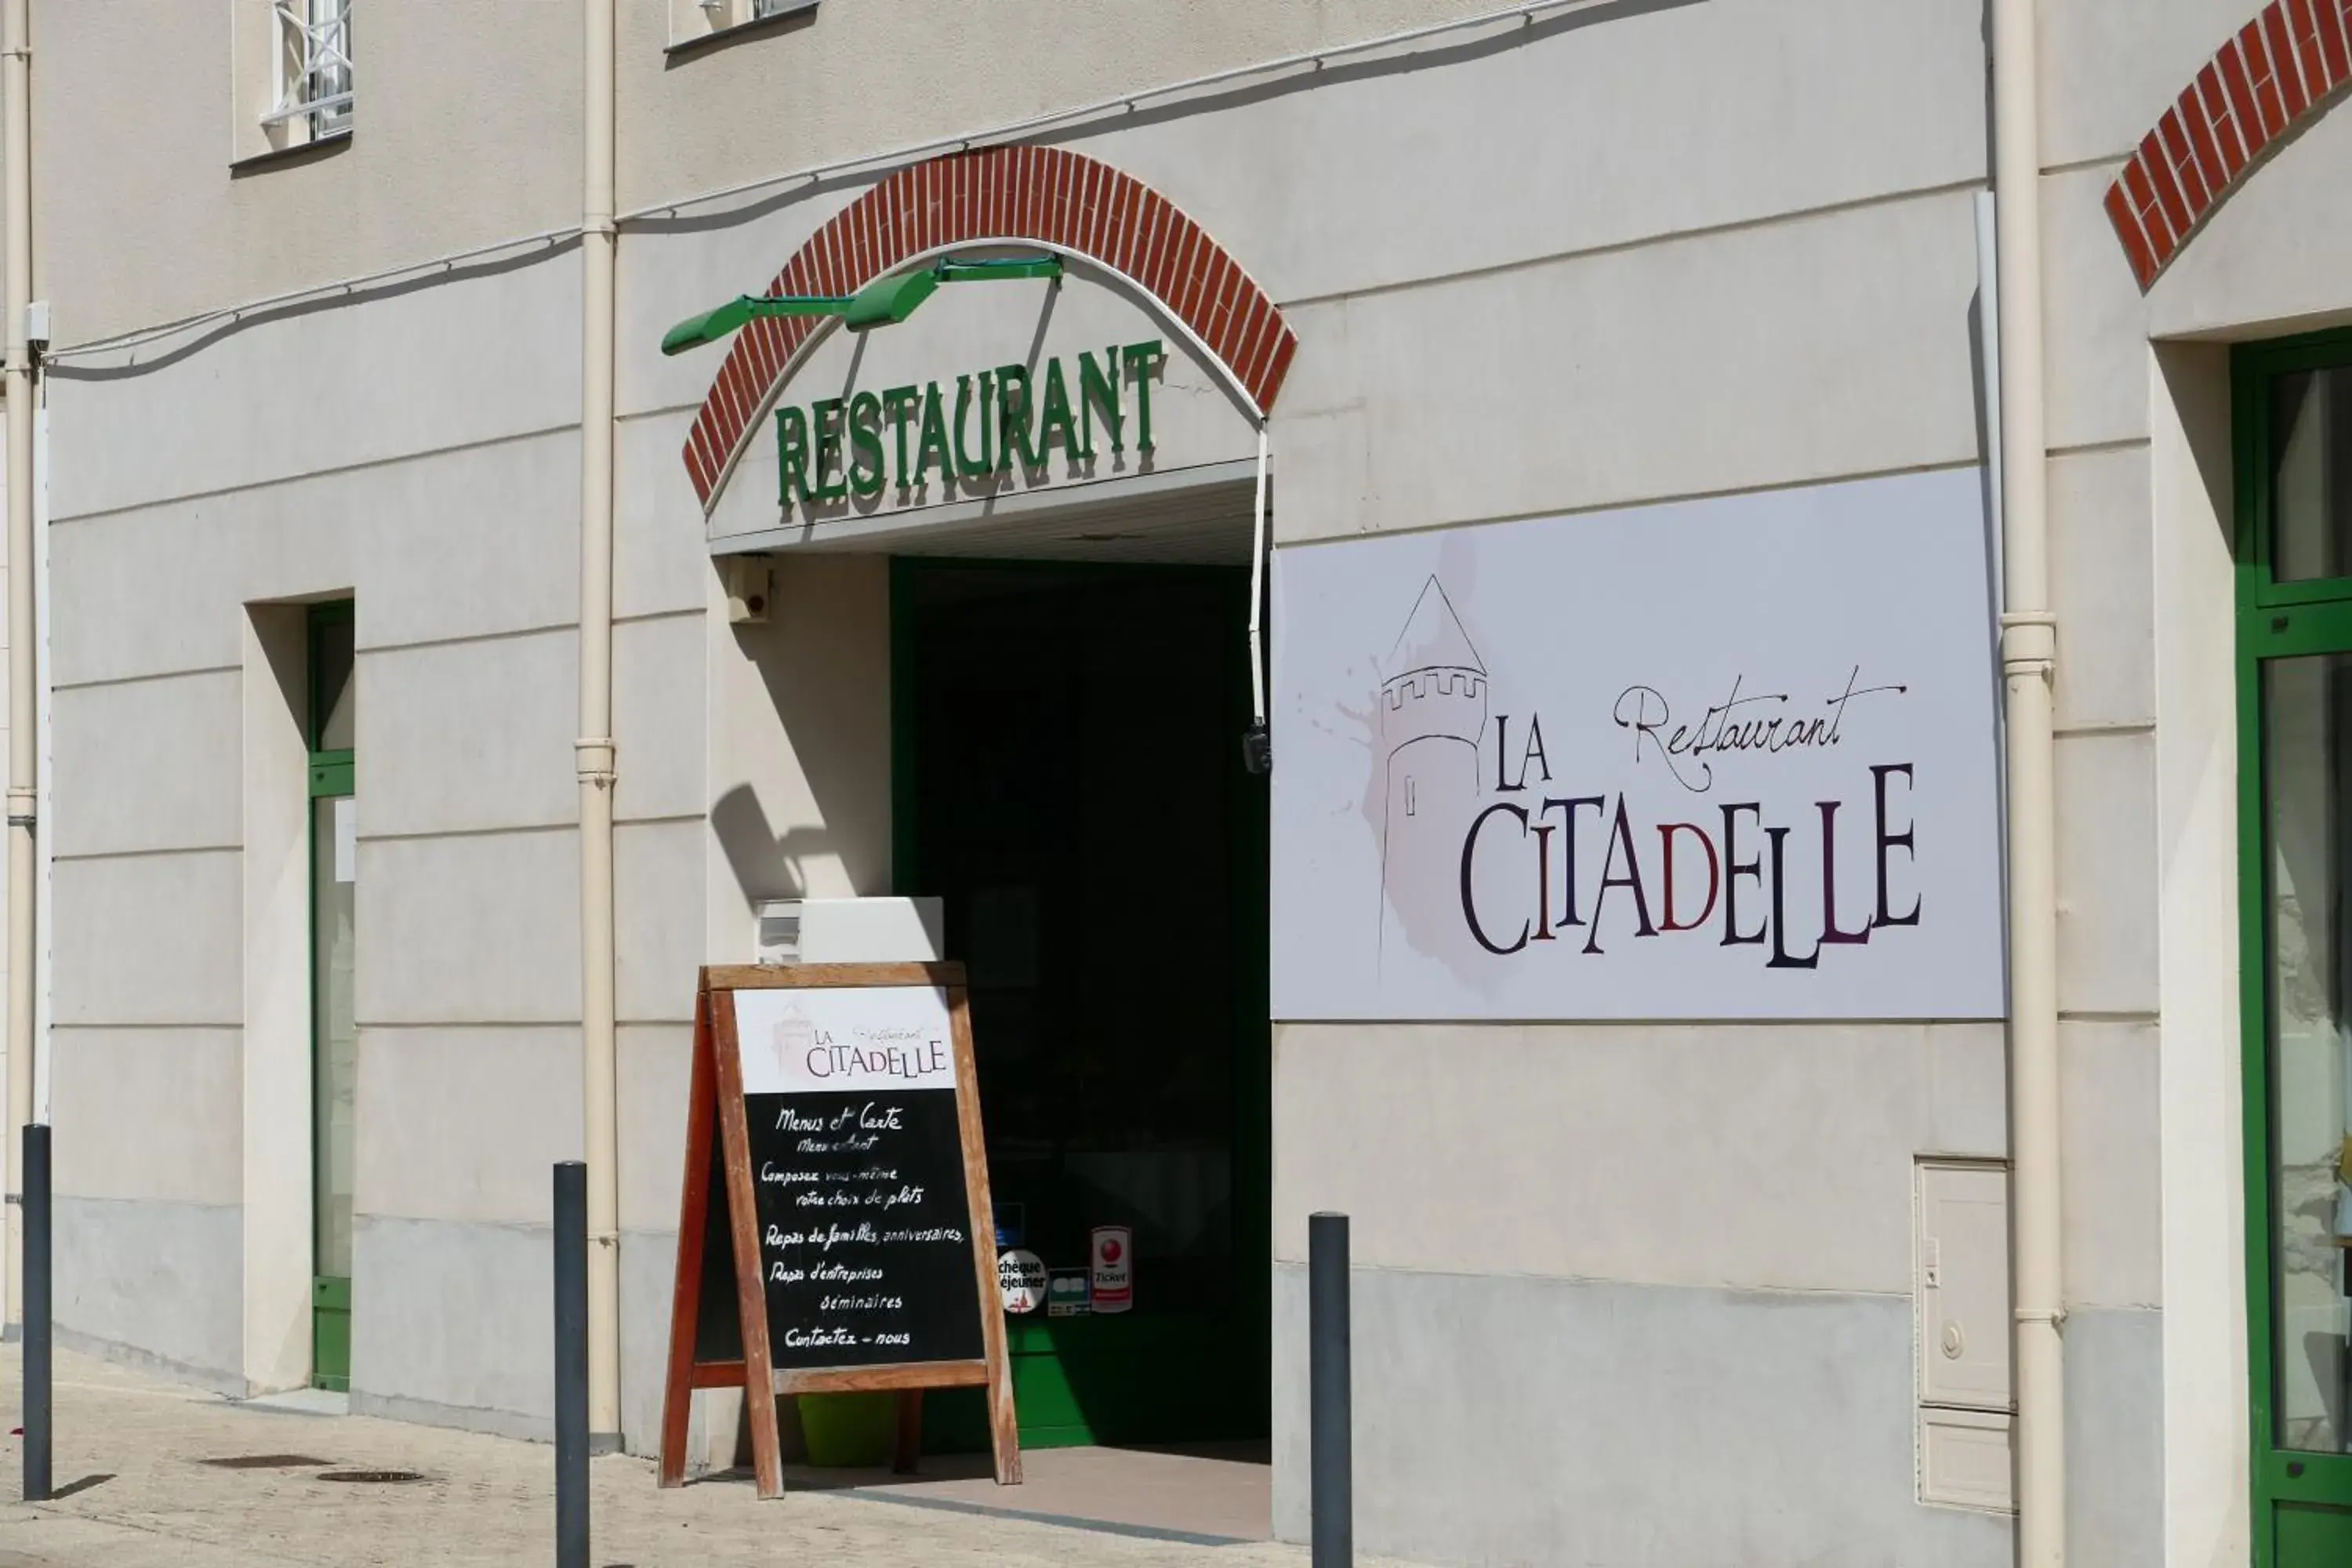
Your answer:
<point x="885" y="302"/>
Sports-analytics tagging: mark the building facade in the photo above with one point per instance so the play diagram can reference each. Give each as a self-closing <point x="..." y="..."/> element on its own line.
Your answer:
<point x="1612" y="398"/>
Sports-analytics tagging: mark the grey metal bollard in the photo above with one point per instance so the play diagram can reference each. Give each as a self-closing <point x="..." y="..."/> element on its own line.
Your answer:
<point x="37" y="1384"/>
<point x="571" y="1365"/>
<point x="1331" y="1464"/>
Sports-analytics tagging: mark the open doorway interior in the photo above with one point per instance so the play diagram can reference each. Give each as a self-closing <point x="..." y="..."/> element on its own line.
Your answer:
<point x="1068" y="776"/>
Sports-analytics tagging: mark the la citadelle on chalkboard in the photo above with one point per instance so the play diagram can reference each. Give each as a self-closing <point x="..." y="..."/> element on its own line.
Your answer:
<point x="834" y="1234"/>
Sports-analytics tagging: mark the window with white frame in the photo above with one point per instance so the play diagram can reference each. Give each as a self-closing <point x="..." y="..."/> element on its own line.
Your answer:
<point x="292" y="74"/>
<point x="311" y="66"/>
<point x="691" y="21"/>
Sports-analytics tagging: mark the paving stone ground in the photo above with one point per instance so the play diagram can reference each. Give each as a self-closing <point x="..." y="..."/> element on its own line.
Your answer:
<point x="129" y="1456"/>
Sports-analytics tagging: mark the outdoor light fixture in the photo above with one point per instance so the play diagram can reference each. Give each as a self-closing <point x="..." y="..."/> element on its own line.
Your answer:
<point x="1257" y="749"/>
<point x="883" y="302"/>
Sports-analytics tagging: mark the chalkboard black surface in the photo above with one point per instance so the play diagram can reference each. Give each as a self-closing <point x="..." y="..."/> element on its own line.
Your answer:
<point x="865" y="1235"/>
<point x="833" y="1230"/>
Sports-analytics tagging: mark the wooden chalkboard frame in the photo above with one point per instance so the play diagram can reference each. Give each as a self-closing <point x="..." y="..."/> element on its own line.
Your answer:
<point x="715" y="1116"/>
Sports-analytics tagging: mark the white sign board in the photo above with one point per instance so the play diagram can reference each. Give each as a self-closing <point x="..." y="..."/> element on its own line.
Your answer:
<point x="851" y="1037"/>
<point x="1720" y="759"/>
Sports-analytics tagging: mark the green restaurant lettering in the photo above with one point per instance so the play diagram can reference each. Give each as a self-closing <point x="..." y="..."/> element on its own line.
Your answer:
<point x="837" y="448"/>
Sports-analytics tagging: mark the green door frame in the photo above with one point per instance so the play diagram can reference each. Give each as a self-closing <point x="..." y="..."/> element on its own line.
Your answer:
<point x="1034" y="1341"/>
<point x="2293" y="1492"/>
<point x="331" y="775"/>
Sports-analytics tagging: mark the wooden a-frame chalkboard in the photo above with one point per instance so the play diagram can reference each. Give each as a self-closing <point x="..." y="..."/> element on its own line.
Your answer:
<point x="834" y="1229"/>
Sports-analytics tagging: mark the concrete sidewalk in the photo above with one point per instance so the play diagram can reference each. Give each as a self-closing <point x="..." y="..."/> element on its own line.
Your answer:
<point x="131" y="1459"/>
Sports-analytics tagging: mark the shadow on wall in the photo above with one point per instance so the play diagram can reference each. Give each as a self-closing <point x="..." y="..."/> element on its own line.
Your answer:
<point x="817" y="751"/>
<point x="766" y="864"/>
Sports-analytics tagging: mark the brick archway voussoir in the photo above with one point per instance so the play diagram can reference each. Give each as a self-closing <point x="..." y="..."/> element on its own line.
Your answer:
<point x="1044" y="196"/>
<point x="2282" y="70"/>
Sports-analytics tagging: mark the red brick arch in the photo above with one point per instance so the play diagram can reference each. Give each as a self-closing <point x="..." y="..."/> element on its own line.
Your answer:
<point x="1043" y="196"/>
<point x="2285" y="67"/>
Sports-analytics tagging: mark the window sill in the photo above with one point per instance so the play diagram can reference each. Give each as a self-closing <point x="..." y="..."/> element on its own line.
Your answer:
<point x="719" y="39"/>
<point x="283" y="157"/>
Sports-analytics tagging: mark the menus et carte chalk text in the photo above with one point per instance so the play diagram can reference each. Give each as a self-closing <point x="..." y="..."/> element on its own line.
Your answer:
<point x="858" y="1168"/>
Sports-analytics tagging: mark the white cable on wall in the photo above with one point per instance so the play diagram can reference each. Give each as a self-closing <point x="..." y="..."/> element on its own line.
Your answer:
<point x="1257" y="587"/>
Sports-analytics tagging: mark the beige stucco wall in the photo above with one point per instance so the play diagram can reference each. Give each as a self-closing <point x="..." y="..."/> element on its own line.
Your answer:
<point x="467" y="122"/>
<point x="869" y="76"/>
<point x="467" y="132"/>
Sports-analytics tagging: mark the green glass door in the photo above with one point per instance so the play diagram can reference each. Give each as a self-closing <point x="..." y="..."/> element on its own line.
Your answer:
<point x="334" y="1039"/>
<point x="2294" y="436"/>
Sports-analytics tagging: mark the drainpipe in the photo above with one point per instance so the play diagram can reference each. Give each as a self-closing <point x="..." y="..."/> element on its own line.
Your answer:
<point x="2029" y="646"/>
<point x="594" y="752"/>
<point x="24" y="695"/>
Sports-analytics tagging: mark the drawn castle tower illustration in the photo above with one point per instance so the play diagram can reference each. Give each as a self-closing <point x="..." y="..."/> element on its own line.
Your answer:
<point x="790" y="1042"/>
<point x="1433" y="711"/>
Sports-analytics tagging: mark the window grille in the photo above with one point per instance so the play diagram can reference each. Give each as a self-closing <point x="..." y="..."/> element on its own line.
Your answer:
<point x="313" y="63"/>
<point x="692" y="22"/>
<point x="720" y="15"/>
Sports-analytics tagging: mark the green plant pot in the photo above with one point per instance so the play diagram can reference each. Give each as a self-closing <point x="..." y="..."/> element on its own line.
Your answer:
<point x="848" y="1431"/>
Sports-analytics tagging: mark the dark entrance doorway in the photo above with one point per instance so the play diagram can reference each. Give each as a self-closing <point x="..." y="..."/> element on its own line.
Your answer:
<point x="1068" y="779"/>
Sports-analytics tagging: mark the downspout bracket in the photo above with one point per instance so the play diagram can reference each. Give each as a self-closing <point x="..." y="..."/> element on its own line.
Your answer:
<point x="2029" y="643"/>
<point x="595" y="760"/>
